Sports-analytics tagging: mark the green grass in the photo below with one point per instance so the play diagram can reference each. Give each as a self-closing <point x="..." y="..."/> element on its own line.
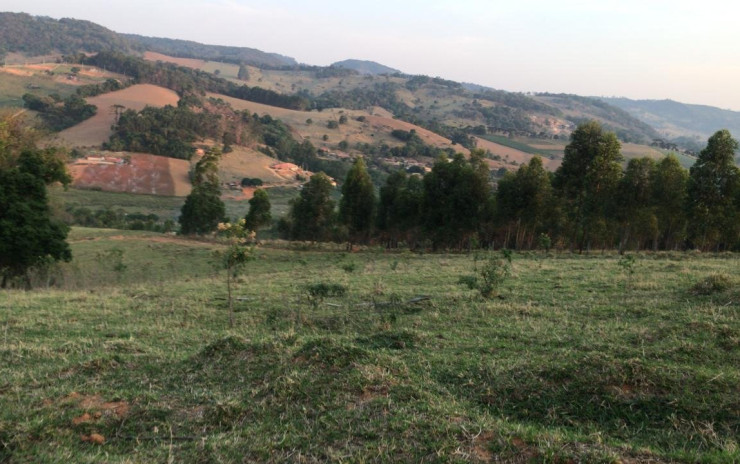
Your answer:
<point x="507" y="142"/>
<point x="163" y="206"/>
<point x="573" y="362"/>
<point x="12" y="88"/>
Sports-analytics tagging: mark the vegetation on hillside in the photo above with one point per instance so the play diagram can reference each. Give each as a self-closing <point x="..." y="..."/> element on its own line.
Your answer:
<point x="190" y="49"/>
<point x="39" y="35"/>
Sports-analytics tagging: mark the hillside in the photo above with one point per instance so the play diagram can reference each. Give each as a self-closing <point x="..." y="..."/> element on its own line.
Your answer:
<point x="37" y="35"/>
<point x="674" y="119"/>
<point x="365" y="67"/>
<point x="190" y="49"/>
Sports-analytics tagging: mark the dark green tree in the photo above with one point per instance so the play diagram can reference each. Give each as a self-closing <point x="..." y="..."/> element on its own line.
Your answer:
<point x="312" y="214"/>
<point x="357" y="206"/>
<point x="669" y="181"/>
<point x="29" y="236"/>
<point x="202" y="211"/>
<point x="399" y="211"/>
<point x="259" y="211"/>
<point x="714" y="181"/>
<point x="586" y="182"/>
<point x="523" y="202"/>
<point x="203" y="208"/>
<point x="635" y="209"/>
<point x="456" y="194"/>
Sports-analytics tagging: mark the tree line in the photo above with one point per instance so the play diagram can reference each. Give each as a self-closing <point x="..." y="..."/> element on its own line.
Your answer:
<point x="589" y="202"/>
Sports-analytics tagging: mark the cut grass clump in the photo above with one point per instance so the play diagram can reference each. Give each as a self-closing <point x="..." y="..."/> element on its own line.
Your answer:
<point x="713" y="283"/>
<point x="329" y="352"/>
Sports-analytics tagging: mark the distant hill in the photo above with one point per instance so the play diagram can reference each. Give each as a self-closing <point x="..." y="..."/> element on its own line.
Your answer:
<point x="580" y="109"/>
<point x="37" y="35"/>
<point x="365" y="67"/>
<point x="673" y="119"/>
<point x="189" y="49"/>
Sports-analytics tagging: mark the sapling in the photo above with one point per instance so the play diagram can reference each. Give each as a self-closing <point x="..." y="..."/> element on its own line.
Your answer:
<point x="627" y="263"/>
<point x="235" y="257"/>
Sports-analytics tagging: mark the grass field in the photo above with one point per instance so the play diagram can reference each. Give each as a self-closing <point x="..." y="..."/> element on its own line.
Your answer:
<point x="576" y="362"/>
<point x="163" y="206"/>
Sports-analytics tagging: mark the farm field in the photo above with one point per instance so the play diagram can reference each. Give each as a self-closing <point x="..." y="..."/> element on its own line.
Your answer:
<point x="96" y="130"/>
<point x="166" y="207"/>
<point x="578" y="361"/>
<point x="143" y="173"/>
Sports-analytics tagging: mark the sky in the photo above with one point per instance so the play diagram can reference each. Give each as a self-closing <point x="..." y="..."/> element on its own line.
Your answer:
<point x="687" y="51"/>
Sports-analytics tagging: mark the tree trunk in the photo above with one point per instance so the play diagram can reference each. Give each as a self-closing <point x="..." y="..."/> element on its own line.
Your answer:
<point x="231" y="302"/>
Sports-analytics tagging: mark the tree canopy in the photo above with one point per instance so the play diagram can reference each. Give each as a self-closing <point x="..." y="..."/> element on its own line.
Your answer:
<point x="29" y="236"/>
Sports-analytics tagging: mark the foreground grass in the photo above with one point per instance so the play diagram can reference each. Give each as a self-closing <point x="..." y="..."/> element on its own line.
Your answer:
<point x="576" y="362"/>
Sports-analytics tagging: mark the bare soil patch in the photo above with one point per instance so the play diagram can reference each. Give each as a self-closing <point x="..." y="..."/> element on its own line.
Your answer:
<point x="186" y="62"/>
<point x="96" y="130"/>
<point x="145" y="173"/>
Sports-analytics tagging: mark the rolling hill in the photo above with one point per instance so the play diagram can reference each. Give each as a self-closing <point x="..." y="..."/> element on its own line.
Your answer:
<point x="352" y="107"/>
<point x="365" y="67"/>
<point x="674" y="119"/>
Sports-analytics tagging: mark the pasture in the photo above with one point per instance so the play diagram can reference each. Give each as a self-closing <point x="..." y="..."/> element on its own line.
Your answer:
<point x="96" y="130"/>
<point x="578" y="360"/>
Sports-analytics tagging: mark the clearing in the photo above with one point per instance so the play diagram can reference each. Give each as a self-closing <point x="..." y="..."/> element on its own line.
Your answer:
<point x="96" y="130"/>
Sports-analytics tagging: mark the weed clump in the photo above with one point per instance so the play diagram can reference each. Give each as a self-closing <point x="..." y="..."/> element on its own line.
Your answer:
<point x="328" y="352"/>
<point x="490" y="276"/>
<point x="318" y="292"/>
<point x="713" y="283"/>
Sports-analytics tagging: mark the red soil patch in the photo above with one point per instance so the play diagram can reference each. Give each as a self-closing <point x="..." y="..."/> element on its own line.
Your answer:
<point x="147" y="174"/>
<point x="186" y="62"/>
<point x="96" y="130"/>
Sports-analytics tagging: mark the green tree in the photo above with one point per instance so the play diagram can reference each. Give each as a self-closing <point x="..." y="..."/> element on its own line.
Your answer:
<point x="243" y="74"/>
<point x="312" y="214"/>
<point x="357" y="206"/>
<point x="259" y="211"/>
<point x="669" y="182"/>
<point x="713" y="190"/>
<point x="203" y="208"/>
<point x="523" y="201"/>
<point x="399" y="210"/>
<point x="586" y="182"/>
<point x="29" y="236"/>
<point x="456" y="194"/>
<point x="635" y="204"/>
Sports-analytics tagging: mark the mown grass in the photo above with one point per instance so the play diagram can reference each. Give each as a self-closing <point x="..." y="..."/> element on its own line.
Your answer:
<point x="166" y="207"/>
<point x="573" y="362"/>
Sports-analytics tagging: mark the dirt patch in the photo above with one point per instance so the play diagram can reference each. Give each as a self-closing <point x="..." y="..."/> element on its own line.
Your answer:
<point x="146" y="174"/>
<point x="481" y="448"/>
<point x="96" y="130"/>
<point x="186" y="62"/>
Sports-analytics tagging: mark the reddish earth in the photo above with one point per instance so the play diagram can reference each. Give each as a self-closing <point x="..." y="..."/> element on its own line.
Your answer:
<point x="147" y="174"/>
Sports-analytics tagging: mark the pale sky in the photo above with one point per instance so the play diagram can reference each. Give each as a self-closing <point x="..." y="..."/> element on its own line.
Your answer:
<point x="687" y="51"/>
